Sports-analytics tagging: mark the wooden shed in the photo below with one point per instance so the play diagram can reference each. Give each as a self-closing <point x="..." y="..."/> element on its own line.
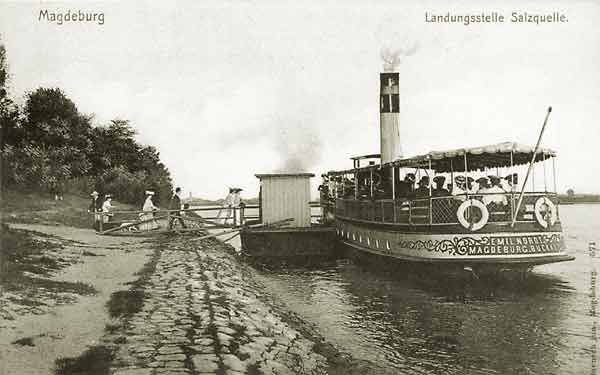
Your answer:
<point x="285" y="195"/>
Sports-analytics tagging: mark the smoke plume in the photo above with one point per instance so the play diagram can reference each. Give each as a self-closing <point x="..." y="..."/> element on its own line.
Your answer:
<point x="299" y="147"/>
<point x="392" y="58"/>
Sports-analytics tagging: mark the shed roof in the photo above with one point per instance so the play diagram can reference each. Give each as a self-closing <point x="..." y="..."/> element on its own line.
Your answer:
<point x="275" y="175"/>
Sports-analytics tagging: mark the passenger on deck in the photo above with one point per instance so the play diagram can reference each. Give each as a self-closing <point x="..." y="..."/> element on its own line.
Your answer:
<point x="439" y="190"/>
<point x="459" y="188"/>
<point x="480" y="186"/>
<point x="407" y="186"/>
<point x="324" y="189"/>
<point x="495" y="194"/>
<point x="423" y="189"/>
<point x="509" y="182"/>
<point x="470" y="186"/>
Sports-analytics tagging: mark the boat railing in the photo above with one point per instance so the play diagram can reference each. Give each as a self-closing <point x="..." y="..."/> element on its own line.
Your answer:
<point x="440" y="210"/>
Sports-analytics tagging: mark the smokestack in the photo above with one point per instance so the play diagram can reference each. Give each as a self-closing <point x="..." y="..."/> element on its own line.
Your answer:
<point x="389" y="116"/>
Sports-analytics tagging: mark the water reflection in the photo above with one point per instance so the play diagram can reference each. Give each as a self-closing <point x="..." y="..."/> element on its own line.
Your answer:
<point x="448" y="325"/>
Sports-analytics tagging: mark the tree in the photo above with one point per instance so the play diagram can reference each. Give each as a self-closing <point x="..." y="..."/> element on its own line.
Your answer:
<point x="3" y="72"/>
<point x="52" y="120"/>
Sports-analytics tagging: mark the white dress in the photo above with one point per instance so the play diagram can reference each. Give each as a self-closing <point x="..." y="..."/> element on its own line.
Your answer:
<point x="148" y="214"/>
<point x="106" y="208"/>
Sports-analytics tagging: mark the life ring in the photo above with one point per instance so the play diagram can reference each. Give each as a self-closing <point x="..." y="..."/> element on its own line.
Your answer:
<point x="460" y="213"/>
<point x="545" y="218"/>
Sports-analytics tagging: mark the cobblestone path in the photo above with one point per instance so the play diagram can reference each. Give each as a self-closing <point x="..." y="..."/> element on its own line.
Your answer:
<point x="201" y="315"/>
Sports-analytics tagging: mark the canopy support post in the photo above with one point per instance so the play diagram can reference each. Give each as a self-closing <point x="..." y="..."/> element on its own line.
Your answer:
<point x="554" y="174"/>
<point x="512" y="188"/>
<point x="544" y="166"/>
<point x="430" y="200"/>
<point x="393" y="182"/>
<point x="451" y="174"/>
<point x="466" y="174"/>
<point x="371" y="181"/>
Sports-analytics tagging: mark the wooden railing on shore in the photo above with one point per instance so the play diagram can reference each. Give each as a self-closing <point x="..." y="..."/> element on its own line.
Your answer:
<point x="237" y="216"/>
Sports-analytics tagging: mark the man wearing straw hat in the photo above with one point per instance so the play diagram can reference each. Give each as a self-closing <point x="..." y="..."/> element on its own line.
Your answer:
<point x="95" y="206"/>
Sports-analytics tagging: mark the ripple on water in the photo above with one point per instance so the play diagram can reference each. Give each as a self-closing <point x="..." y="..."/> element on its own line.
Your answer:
<point x="543" y="325"/>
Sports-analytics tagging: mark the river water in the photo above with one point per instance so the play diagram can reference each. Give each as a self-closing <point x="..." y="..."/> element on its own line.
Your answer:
<point x="546" y="324"/>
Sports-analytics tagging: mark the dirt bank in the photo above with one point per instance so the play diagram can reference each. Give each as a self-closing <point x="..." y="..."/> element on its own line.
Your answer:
<point x="62" y="323"/>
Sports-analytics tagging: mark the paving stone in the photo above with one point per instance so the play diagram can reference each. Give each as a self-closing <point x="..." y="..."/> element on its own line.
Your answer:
<point x="201" y="349"/>
<point x="170" y="357"/>
<point x="227" y="331"/>
<point x="232" y="362"/>
<point x="170" y="350"/>
<point x="204" y="341"/>
<point x="133" y="371"/>
<point x="202" y="364"/>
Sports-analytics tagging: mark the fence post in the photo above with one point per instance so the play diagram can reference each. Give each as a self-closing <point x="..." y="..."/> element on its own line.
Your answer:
<point x="242" y="214"/>
<point x="169" y="228"/>
<point x="101" y="221"/>
<point x="235" y="216"/>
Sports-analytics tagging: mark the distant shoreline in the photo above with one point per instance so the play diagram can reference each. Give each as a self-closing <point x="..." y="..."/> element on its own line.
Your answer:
<point x="579" y="199"/>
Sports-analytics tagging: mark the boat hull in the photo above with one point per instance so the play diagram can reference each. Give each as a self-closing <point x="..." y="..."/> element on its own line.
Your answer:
<point x="500" y="250"/>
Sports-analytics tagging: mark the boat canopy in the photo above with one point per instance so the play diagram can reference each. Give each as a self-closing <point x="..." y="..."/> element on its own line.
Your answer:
<point x="503" y="154"/>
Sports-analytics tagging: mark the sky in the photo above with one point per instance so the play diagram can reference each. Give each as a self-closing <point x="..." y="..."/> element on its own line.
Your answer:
<point x="228" y="89"/>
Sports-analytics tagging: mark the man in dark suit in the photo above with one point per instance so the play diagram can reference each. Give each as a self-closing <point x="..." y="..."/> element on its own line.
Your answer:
<point x="95" y="206"/>
<point x="175" y="204"/>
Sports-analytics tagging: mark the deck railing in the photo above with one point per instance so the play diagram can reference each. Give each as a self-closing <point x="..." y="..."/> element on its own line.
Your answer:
<point x="436" y="210"/>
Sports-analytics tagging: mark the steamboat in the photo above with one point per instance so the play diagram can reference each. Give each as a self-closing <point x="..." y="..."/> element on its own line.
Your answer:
<point x="463" y="208"/>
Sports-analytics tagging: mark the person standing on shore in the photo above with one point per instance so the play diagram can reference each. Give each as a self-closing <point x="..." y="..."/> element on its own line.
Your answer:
<point x="107" y="208"/>
<point x="94" y="207"/>
<point x="148" y="214"/>
<point x="175" y="204"/>
<point x="236" y="202"/>
<point x="227" y="203"/>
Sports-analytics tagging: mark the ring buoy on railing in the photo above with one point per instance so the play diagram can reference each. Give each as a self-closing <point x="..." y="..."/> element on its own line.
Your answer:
<point x="466" y="222"/>
<point x="545" y="212"/>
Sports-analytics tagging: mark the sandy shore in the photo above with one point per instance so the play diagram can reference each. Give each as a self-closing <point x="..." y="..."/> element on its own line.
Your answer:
<point x="196" y="309"/>
<point x="65" y="330"/>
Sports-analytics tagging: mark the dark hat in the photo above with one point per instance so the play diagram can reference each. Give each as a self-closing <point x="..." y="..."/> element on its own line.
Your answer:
<point x="410" y="176"/>
<point x="424" y="179"/>
<point x="482" y="179"/>
<point x="460" y="179"/>
<point x="494" y="178"/>
<point x="439" y="179"/>
<point x="470" y="179"/>
<point x="512" y="178"/>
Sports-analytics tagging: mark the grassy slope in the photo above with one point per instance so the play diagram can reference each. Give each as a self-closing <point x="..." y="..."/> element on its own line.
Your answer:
<point x="40" y="208"/>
